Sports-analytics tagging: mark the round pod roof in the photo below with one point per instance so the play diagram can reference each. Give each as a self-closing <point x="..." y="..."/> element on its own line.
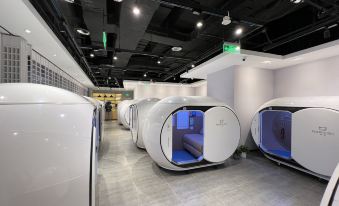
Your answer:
<point x="317" y="101"/>
<point x="37" y="94"/>
<point x="192" y="100"/>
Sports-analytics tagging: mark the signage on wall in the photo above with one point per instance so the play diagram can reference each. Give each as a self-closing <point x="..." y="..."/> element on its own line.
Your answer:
<point x="231" y="48"/>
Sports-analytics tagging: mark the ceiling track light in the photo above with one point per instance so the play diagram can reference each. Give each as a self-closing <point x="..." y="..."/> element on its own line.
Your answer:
<point x="226" y="20"/>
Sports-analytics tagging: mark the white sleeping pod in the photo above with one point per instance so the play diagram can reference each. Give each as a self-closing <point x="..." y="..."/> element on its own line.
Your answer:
<point x="138" y="113"/>
<point x="100" y="116"/>
<point x="125" y="112"/>
<point x="122" y="106"/>
<point x="301" y="132"/>
<point x="47" y="149"/>
<point x="331" y="195"/>
<point x="182" y="133"/>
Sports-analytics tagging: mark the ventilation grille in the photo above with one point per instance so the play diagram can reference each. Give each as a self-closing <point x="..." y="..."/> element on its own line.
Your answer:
<point x="41" y="71"/>
<point x="19" y="63"/>
<point x="10" y="71"/>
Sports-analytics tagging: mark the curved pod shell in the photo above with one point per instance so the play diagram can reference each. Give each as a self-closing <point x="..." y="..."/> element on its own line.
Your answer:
<point x="47" y="150"/>
<point x="220" y="136"/>
<point x="314" y="132"/>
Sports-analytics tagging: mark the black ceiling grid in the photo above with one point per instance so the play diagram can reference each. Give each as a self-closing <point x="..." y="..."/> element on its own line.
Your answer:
<point x="139" y="47"/>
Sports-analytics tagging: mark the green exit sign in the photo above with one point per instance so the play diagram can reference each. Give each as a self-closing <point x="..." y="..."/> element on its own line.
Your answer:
<point x="231" y="48"/>
<point x="104" y="39"/>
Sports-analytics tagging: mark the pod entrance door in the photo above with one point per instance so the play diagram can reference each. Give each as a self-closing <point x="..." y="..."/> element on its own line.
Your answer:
<point x="276" y="133"/>
<point x="221" y="135"/>
<point x="187" y="136"/>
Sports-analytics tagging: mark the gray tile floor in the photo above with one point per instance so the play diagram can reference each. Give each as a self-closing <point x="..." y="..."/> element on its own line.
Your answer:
<point x="128" y="176"/>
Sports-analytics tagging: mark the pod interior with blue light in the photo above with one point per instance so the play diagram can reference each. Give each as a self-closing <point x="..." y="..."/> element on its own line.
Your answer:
<point x="300" y="132"/>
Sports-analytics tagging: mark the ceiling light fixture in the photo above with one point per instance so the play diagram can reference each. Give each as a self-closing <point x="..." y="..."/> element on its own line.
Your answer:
<point x="238" y="31"/>
<point x="192" y="65"/>
<point x="297" y="1"/>
<point x="69" y="1"/>
<point x="91" y="55"/>
<point x="118" y="0"/>
<point x="159" y="62"/>
<point x="199" y="24"/>
<point x="83" y="31"/>
<point x="226" y="20"/>
<point x="145" y="75"/>
<point x="267" y="62"/>
<point x="136" y="11"/>
<point x="115" y="58"/>
<point x="28" y="31"/>
<point x="176" y="48"/>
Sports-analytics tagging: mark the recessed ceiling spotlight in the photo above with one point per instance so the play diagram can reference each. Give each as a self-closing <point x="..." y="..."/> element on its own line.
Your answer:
<point x="297" y="1"/>
<point x="145" y="75"/>
<point x="118" y="0"/>
<point x="83" y="31"/>
<point x="238" y="31"/>
<point x="115" y="58"/>
<point x="91" y="55"/>
<point x="136" y="11"/>
<point x="69" y="1"/>
<point x="192" y="65"/>
<point x="176" y="48"/>
<point x="199" y="24"/>
<point x="267" y="62"/>
<point x="28" y="31"/>
<point x="159" y="62"/>
<point x="109" y="77"/>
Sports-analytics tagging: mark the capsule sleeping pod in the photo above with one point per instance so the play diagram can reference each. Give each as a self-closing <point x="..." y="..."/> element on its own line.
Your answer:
<point x="331" y="195"/>
<point x="138" y="113"/>
<point x="100" y="113"/>
<point x="47" y="149"/>
<point x="182" y="133"/>
<point x="301" y="132"/>
<point x="123" y="112"/>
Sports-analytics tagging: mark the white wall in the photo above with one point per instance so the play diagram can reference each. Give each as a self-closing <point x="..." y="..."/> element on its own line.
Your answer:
<point x="201" y="89"/>
<point x="220" y="86"/>
<point x="158" y="90"/>
<point x="319" y="78"/>
<point x="252" y="88"/>
<point x="244" y="89"/>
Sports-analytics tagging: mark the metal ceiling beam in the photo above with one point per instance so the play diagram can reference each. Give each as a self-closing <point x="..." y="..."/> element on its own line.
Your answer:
<point x="303" y="32"/>
<point x="194" y="6"/>
<point x="150" y="54"/>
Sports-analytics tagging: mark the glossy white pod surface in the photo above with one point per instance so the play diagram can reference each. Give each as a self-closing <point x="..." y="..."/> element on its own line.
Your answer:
<point x="314" y="131"/>
<point x="220" y="123"/>
<point x="46" y="149"/>
<point x="139" y="111"/>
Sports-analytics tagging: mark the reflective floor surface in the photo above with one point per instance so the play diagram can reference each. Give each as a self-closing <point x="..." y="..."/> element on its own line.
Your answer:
<point x="128" y="176"/>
